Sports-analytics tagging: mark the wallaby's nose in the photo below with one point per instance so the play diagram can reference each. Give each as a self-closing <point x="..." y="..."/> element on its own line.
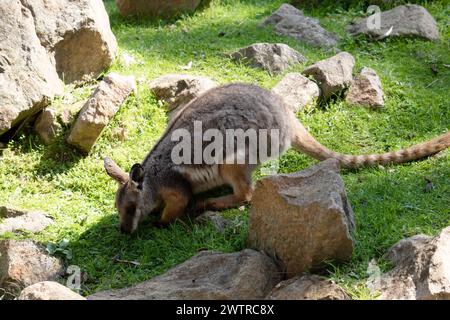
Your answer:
<point x="124" y="231"/>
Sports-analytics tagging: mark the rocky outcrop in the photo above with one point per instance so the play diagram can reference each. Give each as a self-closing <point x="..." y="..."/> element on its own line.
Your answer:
<point x="247" y="274"/>
<point x="43" y="42"/>
<point x="289" y="21"/>
<point x="99" y="110"/>
<point x="273" y="57"/>
<point x="403" y="21"/>
<point x="303" y="219"/>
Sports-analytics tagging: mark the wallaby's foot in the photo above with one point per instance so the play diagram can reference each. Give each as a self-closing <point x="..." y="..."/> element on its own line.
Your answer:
<point x="238" y="177"/>
<point x="221" y="203"/>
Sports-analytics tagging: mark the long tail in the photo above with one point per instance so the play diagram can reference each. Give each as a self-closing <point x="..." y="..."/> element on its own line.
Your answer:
<point x="303" y="141"/>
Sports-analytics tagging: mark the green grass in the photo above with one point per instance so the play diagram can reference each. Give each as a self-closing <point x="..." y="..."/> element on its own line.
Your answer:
<point x="389" y="203"/>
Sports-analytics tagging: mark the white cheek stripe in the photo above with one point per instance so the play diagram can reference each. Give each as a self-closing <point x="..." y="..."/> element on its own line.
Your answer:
<point x="136" y="219"/>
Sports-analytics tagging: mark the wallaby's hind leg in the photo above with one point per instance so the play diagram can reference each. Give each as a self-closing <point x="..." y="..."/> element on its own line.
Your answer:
<point x="239" y="178"/>
<point x="175" y="204"/>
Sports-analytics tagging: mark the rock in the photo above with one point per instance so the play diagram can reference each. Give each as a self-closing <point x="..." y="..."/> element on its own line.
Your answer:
<point x="28" y="78"/>
<point x="42" y="41"/>
<point x="297" y="91"/>
<point x="16" y="220"/>
<point x="421" y="272"/>
<point x="23" y="263"/>
<point x="76" y="34"/>
<point x="47" y="126"/>
<point x="333" y="74"/>
<point x="273" y="57"/>
<point x="406" y="21"/>
<point x="156" y="8"/>
<point x="100" y="109"/>
<point x="48" y="290"/>
<point x="178" y="89"/>
<point x="247" y="274"/>
<point x="365" y="90"/>
<point x="219" y="223"/>
<point x="303" y="219"/>
<point x="289" y="21"/>
<point x="307" y="287"/>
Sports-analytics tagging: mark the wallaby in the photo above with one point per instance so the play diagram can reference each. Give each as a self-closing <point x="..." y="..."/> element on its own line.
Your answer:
<point x="159" y="184"/>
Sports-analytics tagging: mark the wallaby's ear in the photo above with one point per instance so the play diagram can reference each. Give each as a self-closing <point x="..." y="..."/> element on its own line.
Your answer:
<point x="114" y="171"/>
<point x="137" y="173"/>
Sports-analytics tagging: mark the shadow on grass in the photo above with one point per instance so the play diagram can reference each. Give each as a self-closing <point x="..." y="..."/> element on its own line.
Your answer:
<point x="114" y="260"/>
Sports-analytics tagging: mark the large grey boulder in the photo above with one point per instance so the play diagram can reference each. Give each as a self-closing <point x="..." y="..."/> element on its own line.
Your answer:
<point x="242" y="275"/>
<point x="333" y="74"/>
<point x="48" y="290"/>
<point x="297" y="91"/>
<point x="366" y="90"/>
<point x="273" y="57"/>
<point x="421" y="272"/>
<point x="403" y="21"/>
<point x="42" y="42"/>
<point x="303" y="219"/>
<point x="307" y="287"/>
<point x="290" y="21"/>
<point x="18" y="220"/>
<point x="23" y="263"/>
<point x="176" y="90"/>
<point x="99" y="109"/>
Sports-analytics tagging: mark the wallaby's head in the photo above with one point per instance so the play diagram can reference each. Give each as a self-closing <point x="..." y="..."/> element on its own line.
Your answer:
<point x="129" y="196"/>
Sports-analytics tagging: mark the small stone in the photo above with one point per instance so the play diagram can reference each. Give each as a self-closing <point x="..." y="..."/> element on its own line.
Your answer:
<point x="99" y="110"/>
<point x="23" y="263"/>
<point x="297" y="91"/>
<point x="176" y="90"/>
<point x="333" y="74"/>
<point x="219" y="223"/>
<point x="273" y="57"/>
<point x="289" y="21"/>
<point x="302" y="219"/>
<point x="17" y="220"/>
<point x="307" y="287"/>
<point x="209" y="275"/>
<point x="48" y="290"/>
<point x="366" y="90"/>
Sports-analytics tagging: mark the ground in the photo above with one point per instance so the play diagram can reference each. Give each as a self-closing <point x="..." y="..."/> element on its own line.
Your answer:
<point x="389" y="203"/>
